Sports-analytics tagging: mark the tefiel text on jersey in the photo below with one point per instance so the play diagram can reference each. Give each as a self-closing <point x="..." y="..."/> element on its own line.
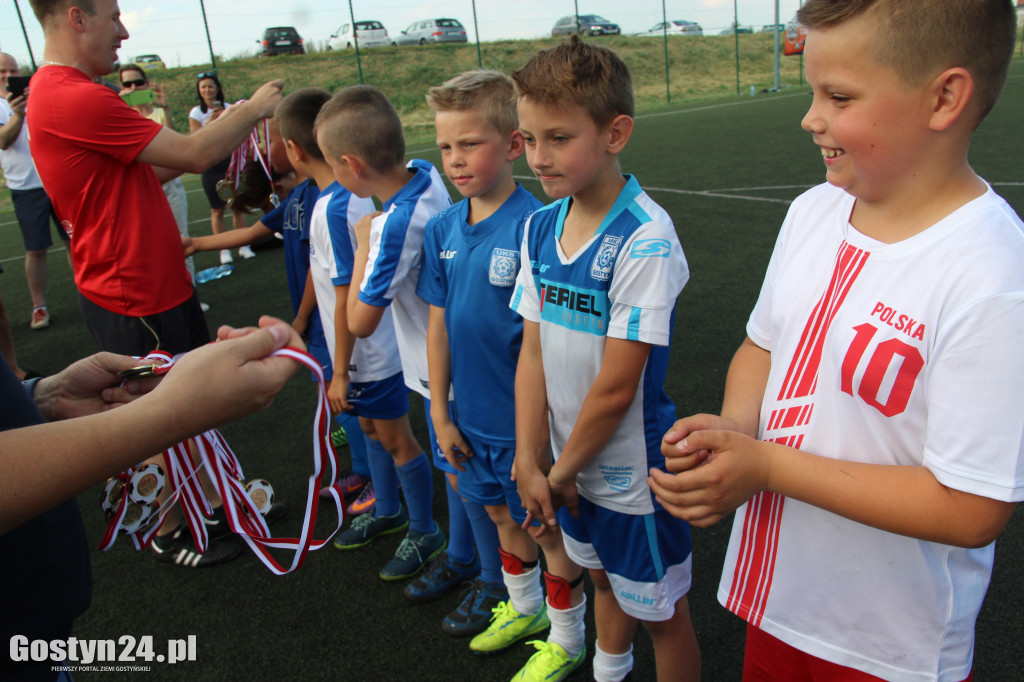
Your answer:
<point x="580" y="309"/>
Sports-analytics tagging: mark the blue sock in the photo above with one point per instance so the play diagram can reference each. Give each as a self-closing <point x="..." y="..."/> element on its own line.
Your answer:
<point x="383" y="476"/>
<point x="460" y="533"/>
<point x="418" y="489"/>
<point x="356" y="445"/>
<point x="486" y="535"/>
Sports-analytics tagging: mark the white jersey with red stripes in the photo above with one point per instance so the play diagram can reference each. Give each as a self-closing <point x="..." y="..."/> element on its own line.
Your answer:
<point x="904" y="354"/>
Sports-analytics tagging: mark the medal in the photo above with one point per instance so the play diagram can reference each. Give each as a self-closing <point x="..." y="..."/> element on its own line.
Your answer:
<point x="147" y="484"/>
<point x="261" y="493"/>
<point x="225" y="189"/>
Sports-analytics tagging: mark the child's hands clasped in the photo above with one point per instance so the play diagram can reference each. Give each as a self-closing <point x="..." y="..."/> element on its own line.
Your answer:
<point x="718" y="471"/>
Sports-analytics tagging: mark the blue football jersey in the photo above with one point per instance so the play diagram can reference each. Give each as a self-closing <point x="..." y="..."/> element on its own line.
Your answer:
<point x="470" y="271"/>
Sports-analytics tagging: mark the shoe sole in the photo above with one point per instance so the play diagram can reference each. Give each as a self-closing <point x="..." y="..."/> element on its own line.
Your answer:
<point x="373" y="537"/>
<point x="486" y="652"/>
<point x="394" y="578"/>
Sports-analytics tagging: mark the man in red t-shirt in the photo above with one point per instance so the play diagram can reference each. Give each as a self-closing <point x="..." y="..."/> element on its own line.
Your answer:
<point x="102" y="165"/>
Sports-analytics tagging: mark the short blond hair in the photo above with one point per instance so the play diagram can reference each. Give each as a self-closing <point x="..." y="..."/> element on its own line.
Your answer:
<point x="581" y="73"/>
<point x="491" y="92"/>
<point x="922" y="39"/>
<point x="360" y="120"/>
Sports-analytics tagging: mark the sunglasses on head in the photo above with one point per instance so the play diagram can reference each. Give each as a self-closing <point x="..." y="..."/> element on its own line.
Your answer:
<point x="138" y="83"/>
<point x="207" y="74"/>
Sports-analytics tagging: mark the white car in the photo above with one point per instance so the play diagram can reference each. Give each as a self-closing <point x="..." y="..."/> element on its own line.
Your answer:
<point x="676" y="27"/>
<point x="369" y="34"/>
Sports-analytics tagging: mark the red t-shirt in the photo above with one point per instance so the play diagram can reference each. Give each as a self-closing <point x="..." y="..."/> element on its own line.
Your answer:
<point x="124" y="241"/>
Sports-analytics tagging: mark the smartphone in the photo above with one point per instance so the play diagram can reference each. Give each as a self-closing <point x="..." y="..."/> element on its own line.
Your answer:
<point x="17" y="85"/>
<point x="134" y="98"/>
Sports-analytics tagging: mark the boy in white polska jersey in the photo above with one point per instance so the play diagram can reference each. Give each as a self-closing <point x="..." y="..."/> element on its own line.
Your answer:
<point x="361" y="136"/>
<point x="602" y="270"/>
<point x="871" y="426"/>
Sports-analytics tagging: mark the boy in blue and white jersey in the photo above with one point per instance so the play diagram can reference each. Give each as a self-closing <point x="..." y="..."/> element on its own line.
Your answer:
<point x="598" y="298"/>
<point x="291" y="220"/>
<point x="470" y="263"/>
<point x="361" y="136"/>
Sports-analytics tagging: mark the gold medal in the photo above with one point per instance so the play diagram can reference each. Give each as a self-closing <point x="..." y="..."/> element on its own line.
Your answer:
<point x="261" y="493"/>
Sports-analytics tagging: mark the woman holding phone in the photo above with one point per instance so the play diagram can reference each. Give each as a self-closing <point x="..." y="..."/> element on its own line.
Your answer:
<point x="211" y="106"/>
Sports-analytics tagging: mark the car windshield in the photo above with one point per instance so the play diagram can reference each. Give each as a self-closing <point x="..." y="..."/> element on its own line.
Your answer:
<point x="681" y="23"/>
<point x="148" y="58"/>
<point x="278" y="33"/>
<point x="448" y="23"/>
<point x="368" y="25"/>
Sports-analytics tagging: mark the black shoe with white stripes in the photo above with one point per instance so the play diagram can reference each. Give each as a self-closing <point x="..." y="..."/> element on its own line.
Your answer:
<point x="177" y="547"/>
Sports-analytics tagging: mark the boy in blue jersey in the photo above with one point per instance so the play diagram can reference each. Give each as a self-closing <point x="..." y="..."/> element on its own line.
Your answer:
<point x="361" y="136"/>
<point x="598" y="297"/>
<point x="291" y="220"/>
<point x="470" y="263"/>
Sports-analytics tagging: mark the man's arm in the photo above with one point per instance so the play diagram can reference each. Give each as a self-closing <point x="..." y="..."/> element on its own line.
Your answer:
<point x="196" y="152"/>
<point x="46" y="464"/>
<point x="10" y="131"/>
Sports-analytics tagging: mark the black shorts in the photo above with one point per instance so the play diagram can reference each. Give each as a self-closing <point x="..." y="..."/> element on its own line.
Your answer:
<point x="177" y="330"/>
<point x="34" y="212"/>
<point x="211" y="176"/>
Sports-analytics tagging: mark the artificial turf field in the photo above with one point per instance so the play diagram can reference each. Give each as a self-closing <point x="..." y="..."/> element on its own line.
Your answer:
<point x="725" y="171"/>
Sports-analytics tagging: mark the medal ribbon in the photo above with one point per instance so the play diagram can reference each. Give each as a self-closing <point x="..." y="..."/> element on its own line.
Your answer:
<point x="226" y="474"/>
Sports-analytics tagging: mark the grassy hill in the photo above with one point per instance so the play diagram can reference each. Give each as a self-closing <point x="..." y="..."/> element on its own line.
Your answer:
<point x="698" y="68"/>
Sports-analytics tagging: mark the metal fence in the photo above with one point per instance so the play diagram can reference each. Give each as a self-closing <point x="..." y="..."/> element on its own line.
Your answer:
<point x="203" y="32"/>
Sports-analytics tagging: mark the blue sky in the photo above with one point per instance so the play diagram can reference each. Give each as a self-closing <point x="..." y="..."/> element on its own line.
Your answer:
<point x="174" y="28"/>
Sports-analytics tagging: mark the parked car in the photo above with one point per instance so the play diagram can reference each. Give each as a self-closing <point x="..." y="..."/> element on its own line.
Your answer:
<point x="280" y="40"/>
<point x="740" y="30"/>
<point x="149" y="61"/>
<point x="676" y="27"/>
<point x="431" y="31"/>
<point x="591" y="24"/>
<point x="771" y="28"/>
<point x="370" y="34"/>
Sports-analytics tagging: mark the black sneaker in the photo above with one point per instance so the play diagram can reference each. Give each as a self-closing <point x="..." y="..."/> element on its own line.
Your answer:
<point x="217" y="526"/>
<point x="475" y="610"/>
<point x="177" y="547"/>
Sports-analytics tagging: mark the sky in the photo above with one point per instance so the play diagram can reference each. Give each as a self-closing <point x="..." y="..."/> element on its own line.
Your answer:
<point x="174" y="28"/>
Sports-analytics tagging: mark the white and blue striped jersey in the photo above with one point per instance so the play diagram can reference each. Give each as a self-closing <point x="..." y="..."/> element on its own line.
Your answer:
<point x="469" y="270"/>
<point x="623" y="283"/>
<point x="393" y="266"/>
<point x="331" y="258"/>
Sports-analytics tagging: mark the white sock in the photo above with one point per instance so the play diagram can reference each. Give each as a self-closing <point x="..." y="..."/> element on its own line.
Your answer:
<point x="525" y="591"/>
<point x="567" y="629"/>
<point x="611" y="667"/>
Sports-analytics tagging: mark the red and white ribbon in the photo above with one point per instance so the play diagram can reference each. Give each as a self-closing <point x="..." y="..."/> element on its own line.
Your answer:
<point x="227" y="476"/>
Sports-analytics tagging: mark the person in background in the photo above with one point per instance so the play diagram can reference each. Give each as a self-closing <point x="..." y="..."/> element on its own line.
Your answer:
<point x="211" y="106"/>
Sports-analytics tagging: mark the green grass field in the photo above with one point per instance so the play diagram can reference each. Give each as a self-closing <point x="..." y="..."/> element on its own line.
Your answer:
<point x="725" y="170"/>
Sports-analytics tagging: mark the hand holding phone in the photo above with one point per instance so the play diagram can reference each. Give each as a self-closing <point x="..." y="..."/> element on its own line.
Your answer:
<point x="134" y="98"/>
<point x="17" y="85"/>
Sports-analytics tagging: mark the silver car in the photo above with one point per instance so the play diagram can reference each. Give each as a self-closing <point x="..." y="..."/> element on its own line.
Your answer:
<point x="431" y="31"/>
<point x="676" y="27"/>
<point x="589" y="24"/>
<point x="368" y="33"/>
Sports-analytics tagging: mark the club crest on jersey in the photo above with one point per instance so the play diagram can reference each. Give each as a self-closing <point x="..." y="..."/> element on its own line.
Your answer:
<point x="503" y="267"/>
<point x="605" y="258"/>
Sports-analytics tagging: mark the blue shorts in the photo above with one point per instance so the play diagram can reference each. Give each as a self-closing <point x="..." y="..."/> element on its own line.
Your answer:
<point x="647" y="557"/>
<point x="384" y="399"/>
<point x="440" y="461"/>
<point x="33" y="210"/>
<point x="487" y="479"/>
